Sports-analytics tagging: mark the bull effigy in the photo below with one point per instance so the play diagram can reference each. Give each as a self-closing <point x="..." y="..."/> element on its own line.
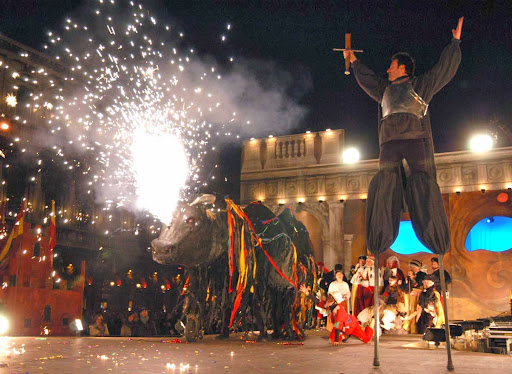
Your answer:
<point x="243" y="268"/>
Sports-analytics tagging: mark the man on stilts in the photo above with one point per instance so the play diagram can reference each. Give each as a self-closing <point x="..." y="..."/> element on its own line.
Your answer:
<point x="404" y="120"/>
<point x="406" y="150"/>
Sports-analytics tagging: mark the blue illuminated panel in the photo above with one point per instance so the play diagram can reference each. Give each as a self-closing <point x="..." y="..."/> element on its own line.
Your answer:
<point x="492" y="234"/>
<point x="407" y="242"/>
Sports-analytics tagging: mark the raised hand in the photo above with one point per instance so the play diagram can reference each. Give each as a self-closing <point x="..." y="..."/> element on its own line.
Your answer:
<point x="458" y="31"/>
<point x="304" y="289"/>
<point x="350" y="55"/>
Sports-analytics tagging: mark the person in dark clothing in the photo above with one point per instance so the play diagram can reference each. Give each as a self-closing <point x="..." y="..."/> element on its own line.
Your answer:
<point x="417" y="274"/>
<point x="392" y="268"/>
<point x="430" y="309"/>
<point x="130" y="325"/>
<point x="393" y="294"/>
<point x="331" y="276"/>
<point x="323" y="281"/>
<point x="413" y="287"/>
<point x="404" y="119"/>
<point x="437" y="276"/>
<point x="146" y="326"/>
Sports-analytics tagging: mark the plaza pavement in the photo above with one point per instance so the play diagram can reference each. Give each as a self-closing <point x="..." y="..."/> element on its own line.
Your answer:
<point x="75" y="355"/>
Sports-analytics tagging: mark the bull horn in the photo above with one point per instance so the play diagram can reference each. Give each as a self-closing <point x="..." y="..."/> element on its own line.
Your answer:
<point x="204" y="199"/>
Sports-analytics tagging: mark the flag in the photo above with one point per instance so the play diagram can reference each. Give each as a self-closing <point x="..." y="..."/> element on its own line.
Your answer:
<point x="52" y="242"/>
<point x="16" y="231"/>
<point x="53" y="229"/>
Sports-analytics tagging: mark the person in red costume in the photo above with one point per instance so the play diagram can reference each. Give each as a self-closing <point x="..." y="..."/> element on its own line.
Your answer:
<point x="344" y="325"/>
<point x="364" y="293"/>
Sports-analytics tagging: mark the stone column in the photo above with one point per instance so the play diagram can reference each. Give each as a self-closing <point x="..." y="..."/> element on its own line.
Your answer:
<point x="327" y="252"/>
<point x="335" y="233"/>
<point x="347" y="252"/>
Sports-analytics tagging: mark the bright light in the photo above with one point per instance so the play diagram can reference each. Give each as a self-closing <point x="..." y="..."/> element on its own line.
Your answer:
<point x="161" y="169"/>
<point x="78" y="325"/>
<point x="11" y="100"/>
<point x="4" y="126"/>
<point x="350" y="156"/>
<point x="481" y="143"/>
<point x="4" y="325"/>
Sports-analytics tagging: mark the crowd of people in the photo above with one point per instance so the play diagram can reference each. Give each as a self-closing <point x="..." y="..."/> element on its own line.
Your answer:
<point x="409" y="302"/>
<point x="135" y="324"/>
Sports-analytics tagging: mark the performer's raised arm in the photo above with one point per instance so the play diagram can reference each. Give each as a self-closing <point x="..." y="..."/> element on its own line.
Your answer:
<point x="370" y="82"/>
<point x="445" y="69"/>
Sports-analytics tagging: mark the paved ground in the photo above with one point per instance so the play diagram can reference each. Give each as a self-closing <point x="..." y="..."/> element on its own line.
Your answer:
<point x="398" y="355"/>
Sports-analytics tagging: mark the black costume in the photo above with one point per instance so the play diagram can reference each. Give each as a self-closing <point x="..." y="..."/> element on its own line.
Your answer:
<point x="437" y="279"/>
<point x="396" y="128"/>
<point x="405" y="133"/>
<point x="430" y="297"/>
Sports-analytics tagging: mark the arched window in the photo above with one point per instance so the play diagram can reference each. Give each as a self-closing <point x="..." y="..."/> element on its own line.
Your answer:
<point x="37" y="250"/>
<point x="407" y="242"/>
<point x="47" y="314"/>
<point x="491" y="234"/>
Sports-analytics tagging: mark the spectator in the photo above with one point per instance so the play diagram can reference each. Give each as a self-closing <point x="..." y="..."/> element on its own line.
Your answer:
<point x="146" y="326"/>
<point x="366" y="288"/>
<point x="323" y="282"/>
<point x="429" y="312"/>
<point x="129" y="327"/>
<point x="415" y="266"/>
<point x="356" y="278"/>
<point x="392" y="268"/>
<point x="437" y="276"/>
<point x="99" y="327"/>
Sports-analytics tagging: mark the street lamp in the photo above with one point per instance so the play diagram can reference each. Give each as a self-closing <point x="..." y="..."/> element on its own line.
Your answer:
<point x="481" y="143"/>
<point x="350" y="156"/>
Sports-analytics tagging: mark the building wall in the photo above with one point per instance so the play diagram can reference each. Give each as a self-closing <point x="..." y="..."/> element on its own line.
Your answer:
<point x="25" y="299"/>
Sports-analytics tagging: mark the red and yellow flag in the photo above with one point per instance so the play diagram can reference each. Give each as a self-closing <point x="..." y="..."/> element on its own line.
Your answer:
<point x="16" y="231"/>
<point x="53" y="229"/>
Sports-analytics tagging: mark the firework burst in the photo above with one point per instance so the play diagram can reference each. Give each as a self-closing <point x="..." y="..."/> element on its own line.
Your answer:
<point x="129" y="103"/>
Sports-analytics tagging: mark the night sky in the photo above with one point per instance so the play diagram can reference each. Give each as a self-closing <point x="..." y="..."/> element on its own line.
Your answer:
<point x="298" y="36"/>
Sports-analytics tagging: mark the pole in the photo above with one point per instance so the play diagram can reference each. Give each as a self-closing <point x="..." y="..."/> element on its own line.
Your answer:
<point x="376" y="311"/>
<point x="445" y="308"/>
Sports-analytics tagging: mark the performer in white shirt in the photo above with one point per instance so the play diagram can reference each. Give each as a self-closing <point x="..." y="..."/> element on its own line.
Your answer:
<point x="340" y="290"/>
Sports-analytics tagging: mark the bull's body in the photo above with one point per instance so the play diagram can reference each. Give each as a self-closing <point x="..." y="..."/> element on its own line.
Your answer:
<point x="243" y="264"/>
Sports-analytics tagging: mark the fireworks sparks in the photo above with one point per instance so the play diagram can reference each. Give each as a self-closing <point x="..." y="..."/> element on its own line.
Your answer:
<point x="128" y="106"/>
<point x="116" y="72"/>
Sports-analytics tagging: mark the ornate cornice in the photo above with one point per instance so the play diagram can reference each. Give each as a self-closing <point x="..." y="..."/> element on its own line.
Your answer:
<point x="461" y="171"/>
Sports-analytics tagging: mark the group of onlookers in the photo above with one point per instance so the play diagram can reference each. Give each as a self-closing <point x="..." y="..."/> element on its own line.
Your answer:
<point x="134" y="324"/>
<point x="409" y="302"/>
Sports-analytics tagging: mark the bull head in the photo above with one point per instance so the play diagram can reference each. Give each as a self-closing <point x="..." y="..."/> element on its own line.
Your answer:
<point x="195" y="236"/>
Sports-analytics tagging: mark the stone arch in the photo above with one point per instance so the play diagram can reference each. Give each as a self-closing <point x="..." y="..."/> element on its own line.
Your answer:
<point x="322" y="217"/>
